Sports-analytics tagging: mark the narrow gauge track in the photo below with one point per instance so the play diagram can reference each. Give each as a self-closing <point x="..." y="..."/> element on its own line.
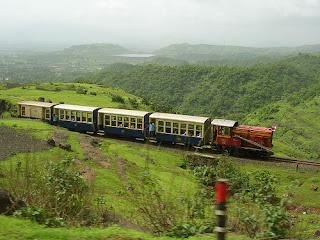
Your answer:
<point x="295" y="161"/>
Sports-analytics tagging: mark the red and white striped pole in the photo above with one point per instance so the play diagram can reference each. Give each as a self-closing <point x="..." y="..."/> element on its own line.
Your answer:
<point x="221" y="209"/>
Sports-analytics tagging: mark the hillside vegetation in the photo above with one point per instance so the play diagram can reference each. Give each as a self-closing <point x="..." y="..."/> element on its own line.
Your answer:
<point x="228" y="92"/>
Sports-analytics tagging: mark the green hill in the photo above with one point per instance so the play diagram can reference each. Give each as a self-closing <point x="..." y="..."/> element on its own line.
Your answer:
<point x="222" y="91"/>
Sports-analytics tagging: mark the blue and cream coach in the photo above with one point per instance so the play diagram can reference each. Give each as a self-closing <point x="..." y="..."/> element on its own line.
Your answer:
<point x="182" y="128"/>
<point x="131" y="123"/>
<point x="77" y="117"/>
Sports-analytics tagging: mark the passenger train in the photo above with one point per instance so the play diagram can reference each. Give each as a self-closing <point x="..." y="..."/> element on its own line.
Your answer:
<point x="196" y="131"/>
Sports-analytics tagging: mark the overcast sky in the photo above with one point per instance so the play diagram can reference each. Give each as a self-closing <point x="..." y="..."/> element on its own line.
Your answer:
<point x="157" y="23"/>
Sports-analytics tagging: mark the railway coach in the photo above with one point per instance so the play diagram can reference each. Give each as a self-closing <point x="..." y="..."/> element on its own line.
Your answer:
<point x="36" y="110"/>
<point x="81" y="118"/>
<point x="131" y="123"/>
<point x="176" y="128"/>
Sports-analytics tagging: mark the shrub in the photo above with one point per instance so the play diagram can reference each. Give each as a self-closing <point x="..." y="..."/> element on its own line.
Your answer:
<point x="134" y="103"/>
<point x="40" y="216"/>
<point x="117" y="98"/>
<point x="207" y="175"/>
<point x="55" y="188"/>
<point x="162" y="213"/>
<point x="81" y="90"/>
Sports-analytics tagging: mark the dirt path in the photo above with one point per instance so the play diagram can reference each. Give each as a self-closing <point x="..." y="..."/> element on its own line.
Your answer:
<point x="90" y="145"/>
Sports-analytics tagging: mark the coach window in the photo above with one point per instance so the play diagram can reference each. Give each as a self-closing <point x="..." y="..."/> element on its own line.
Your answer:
<point x="62" y="114"/>
<point x="84" y="117"/>
<point x="175" y="129"/>
<point x="190" y="130"/>
<point x="107" y="120"/>
<point x="139" y="123"/>
<point x="126" y="122"/>
<point x="160" y="126"/>
<point x="113" y="121"/>
<point x="73" y="115"/>
<point x="132" y="123"/>
<point x="47" y="113"/>
<point x="68" y="115"/>
<point x="78" y="114"/>
<point x="120" y="122"/>
<point x="199" y="131"/>
<point x="183" y="129"/>
<point x="89" y="117"/>
<point x="168" y="127"/>
<point x="23" y="110"/>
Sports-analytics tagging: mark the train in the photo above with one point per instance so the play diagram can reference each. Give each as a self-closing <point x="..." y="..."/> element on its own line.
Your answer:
<point x="219" y="134"/>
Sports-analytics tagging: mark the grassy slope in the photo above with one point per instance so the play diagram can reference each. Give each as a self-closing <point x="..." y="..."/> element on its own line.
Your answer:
<point x="67" y="93"/>
<point x="175" y="181"/>
<point x="298" y="127"/>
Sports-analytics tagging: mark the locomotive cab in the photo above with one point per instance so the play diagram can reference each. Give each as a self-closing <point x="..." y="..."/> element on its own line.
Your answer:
<point x="222" y="133"/>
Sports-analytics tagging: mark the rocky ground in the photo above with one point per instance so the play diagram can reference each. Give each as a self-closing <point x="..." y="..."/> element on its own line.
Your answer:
<point x="12" y="142"/>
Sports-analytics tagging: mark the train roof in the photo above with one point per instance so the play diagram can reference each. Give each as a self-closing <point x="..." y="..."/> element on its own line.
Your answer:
<point x="253" y="129"/>
<point x="76" y="107"/>
<point x="178" y="117"/>
<point x="38" y="104"/>
<point x="224" y="123"/>
<point x="125" y="112"/>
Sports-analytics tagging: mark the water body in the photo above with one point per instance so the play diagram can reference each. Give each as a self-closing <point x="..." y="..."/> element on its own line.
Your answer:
<point x="135" y="55"/>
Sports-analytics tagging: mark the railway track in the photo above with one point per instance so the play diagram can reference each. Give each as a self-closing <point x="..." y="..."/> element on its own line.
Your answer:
<point x="295" y="161"/>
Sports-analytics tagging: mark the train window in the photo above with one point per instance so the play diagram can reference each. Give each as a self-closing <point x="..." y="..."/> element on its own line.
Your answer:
<point x="120" y="123"/>
<point x="23" y="110"/>
<point x="132" y="123"/>
<point x="168" y="127"/>
<point x="190" y="130"/>
<point x="84" y="117"/>
<point x="113" y="121"/>
<point x="183" y="129"/>
<point x="78" y="114"/>
<point x="199" y="131"/>
<point x="175" y="129"/>
<point x="62" y="114"/>
<point x="107" y="120"/>
<point x="126" y="122"/>
<point x="47" y="113"/>
<point x="225" y="131"/>
<point x="160" y="126"/>
<point x="68" y="115"/>
<point x="89" y="117"/>
<point x="73" y="115"/>
<point x="139" y="124"/>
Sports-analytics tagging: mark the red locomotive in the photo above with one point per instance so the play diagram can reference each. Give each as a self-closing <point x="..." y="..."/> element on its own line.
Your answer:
<point x="241" y="139"/>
